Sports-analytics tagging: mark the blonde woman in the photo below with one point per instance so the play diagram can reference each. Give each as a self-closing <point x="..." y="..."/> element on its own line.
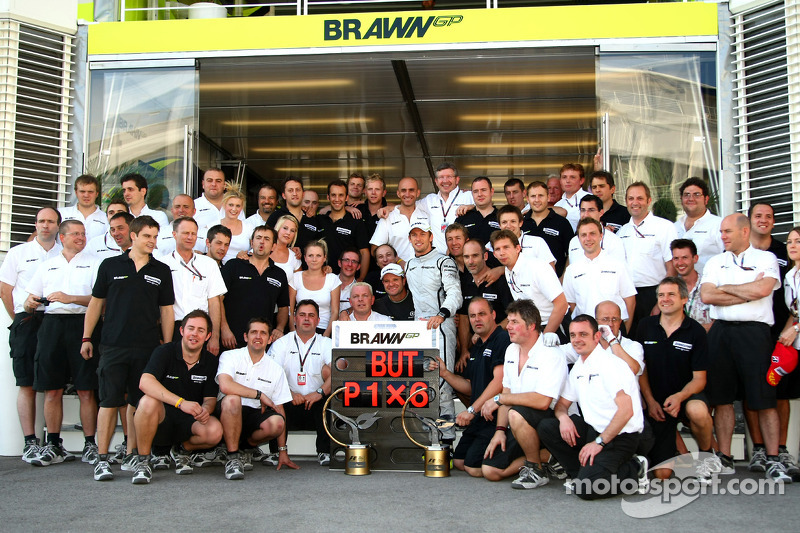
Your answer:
<point x="232" y="204"/>
<point x="282" y="255"/>
<point x="315" y="284"/>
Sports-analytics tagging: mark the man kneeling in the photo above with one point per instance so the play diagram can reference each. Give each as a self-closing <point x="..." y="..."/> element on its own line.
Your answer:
<point x="179" y="396"/>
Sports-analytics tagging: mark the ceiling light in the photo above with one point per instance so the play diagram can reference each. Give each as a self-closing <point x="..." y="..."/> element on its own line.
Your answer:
<point x="501" y="117"/>
<point x="274" y="85"/>
<point x="562" y="144"/>
<point x="513" y="166"/>
<point x="330" y="169"/>
<point x="563" y="77"/>
<point x="312" y="149"/>
<point x="296" y="121"/>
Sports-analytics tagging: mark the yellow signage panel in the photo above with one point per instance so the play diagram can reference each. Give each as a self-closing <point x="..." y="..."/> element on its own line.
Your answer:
<point x="406" y="28"/>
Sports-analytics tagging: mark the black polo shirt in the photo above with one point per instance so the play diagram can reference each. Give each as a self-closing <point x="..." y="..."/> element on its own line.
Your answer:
<point x="133" y="300"/>
<point x="478" y="226"/>
<point x="370" y="220"/>
<point x="483" y="358"/>
<point x="671" y="360"/>
<point x="556" y="232"/>
<point x="402" y="310"/>
<point x="498" y="294"/>
<point x="779" y="309"/>
<point x="251" y="294"/>
<point x="374" y="280"/>
<point x="616" y="217"/>
<point x="310" y="227"/>
<point x="192" y="384"/>
<point x="343" y="233"/>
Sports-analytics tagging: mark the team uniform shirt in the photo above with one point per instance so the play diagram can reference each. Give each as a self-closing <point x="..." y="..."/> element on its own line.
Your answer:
<point x="729" y="269"/>
<point x="535" y="280"/>
<point x="478" y="226"/>
<point x="433" y="278"/>
<point x="158" y="216"/>
<point x="374" y="279"/>
<point x="497" y="294"/>
<point x="166" y="241"/>
<point x="206" y="214"/>
<point x="96" y="223"/>
<point x="102" y="247"/>
<point x="791" y="293"/>
<point x="321" y="296"/>
<point x="266" y="376"/>
<point x="442" y="213"/>
<point x="706" y="236"/>
<point x="572" y="206"/>
<point x="483" y="358"/>
<point x="531" y="248"/>
<point x="402" y="310"/>
<point x="74" y="277"/>
<point x="19" y="267"/>
<point x="194" y="282"/>
<point x="133" y="300"/>
<point x="344" y="295"/>
<point x="615" y="216"/>
<point x="310" y="227"/>
<point x="610" y="243"/>
<point x="631" y="347"/>
<point x="589" y="282"/>
<point x="302" y="361"/>
<point x="672" y="360"/>
<point x="647" y="248"/>
<point x="594" y="383"/>
<point x="779" y="311"/>
<point x="252" y="294"/>
<point x="394" y="230"/>
<point x="255" y="220"/>
<point x="556" y="232"/>
<point x="192" y="384"/>
<point x="370" y="221"/>
<point x="374" y="316"/>
<point x="347" y="232"/>
<point x="544" y="372"/>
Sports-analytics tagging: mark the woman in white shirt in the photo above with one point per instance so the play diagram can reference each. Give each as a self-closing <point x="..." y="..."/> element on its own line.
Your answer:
<point x="314" y="284"/>
<point x="791" y="291"/>
<point x="233" y="203"/>
<point x="282" y="255"/>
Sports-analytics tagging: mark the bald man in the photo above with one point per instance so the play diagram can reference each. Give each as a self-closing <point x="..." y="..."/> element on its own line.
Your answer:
<point x="182" y="206"/>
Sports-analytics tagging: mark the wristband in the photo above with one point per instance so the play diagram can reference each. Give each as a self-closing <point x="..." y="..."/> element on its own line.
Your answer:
<point x="283" y="448"/>
<point x="178" y="403"/>
<point x="258" y="395"/>
<point x="501" y="428"/>
<point x="86" y="339"/>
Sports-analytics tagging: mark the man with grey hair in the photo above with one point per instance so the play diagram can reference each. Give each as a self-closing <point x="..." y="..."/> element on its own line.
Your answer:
<point x="361" y="300"/>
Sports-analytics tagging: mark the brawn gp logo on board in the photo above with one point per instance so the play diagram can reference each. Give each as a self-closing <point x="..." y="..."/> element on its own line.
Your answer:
<point x="386" y="28"/>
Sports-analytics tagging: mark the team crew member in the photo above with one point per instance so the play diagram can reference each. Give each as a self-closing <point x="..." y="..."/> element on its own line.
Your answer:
<point x="572" y="177"/>
<point x="482" y="221"/>
<point x="64" y="283"/>
<point x="789" y="337"/>
<point x="134" y="190"/>
<point x="384" y="254"/>
<point x="86" y="210"/>
<point x="698" y="223"/>
<point x="310" y="228"/>
<point x="482" y="379"/>
<point x="433" y="281"/>
<point x="592" y="207"/>
<point x="542" y="221"/>
<point x="738" y="284"/>
<point x="360" y="305"/>
<point x="256" y="287"/>
<point x="598" y="277"/>
<point x="305" y="357"/>
<point x="514" y="191"/>
<point x="676" y="354"/>
<point x="196" y="280"/>
<point x="267" y="203"/>
<point x="398" y="304"/>
<point x="375" y="192"/>
<point x="349" y="265"/>
<point x="218" y="240"/>
<point x="646" y="238"/>
<point x="342" y="231"/>
<point x="393" y="229"/>
<point x="684" y="258"/>
<point x="615" y="215"/>
<point x="136" y="290"/>
<point x="16" y="272"/>
<point x="533" y="377"/>
<point x="182" y="206"/>
<point x="611" y="414"/>
<point x="252" y="413"/>
<point x="441" y="208"/>
<point x="532" y="279"/>
<point x="554" y="190"/>
<point x="105" y="245"/>
<point x="310" y="203"/>
<point x="530" y="246"/>
<point x="209" y="204"/>
<point x="180" y="394"/>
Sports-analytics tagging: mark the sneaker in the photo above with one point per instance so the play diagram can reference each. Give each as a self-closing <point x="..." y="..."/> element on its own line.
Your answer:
<point x="644" y="482"/>
<point x="234" y="469"/>
<point x="777" y="472"/>
<point x="119" y="453"/>
<point x="52" y="454"/>
<point x="217" y="456"/>
<point x="788" y="461"/>
<point x="324" y="459"/>
<point x="102" y="471"/>
<point x="181" y="459"/>
<point x="727" y="465"/>
<point x="90" y="454"/>
<point x="553" y="469"/>
<point x="257" y="454"/>
<point x="530" y="477"/>
<point x="246" y="456"/>
<point x="143" y="474"/>
<point x="31" y="450"/>
<point x="703" y="473"/>
<point x="758" y="463"/>
<point x="270" y="459"/>
<point x="160" y="462"/>
<point x="714" y="464"/>
<point x="129" y="462"/>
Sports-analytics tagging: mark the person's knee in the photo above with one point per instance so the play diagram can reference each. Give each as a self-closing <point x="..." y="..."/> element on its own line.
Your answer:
<point x="491" y="473"/>
<point x="148" y="406"/>
<point x="54" y="395"/>
<point x="231" y="404"/>
<point x="515" y="420"/>
<point x="273" y="426"/>
<point x="214" y="431"/>
<point x="697" y="412"/>
<point x="662" y="473"/>
<point x="85" y="395"/>
<point x="474" y="472"/>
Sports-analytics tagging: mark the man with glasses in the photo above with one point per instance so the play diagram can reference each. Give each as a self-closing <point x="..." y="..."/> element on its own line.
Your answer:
<point x="349" y="264"/>
<point x="698" y="223"/>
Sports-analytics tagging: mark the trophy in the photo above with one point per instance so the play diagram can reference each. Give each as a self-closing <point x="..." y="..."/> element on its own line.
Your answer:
<point x="437" y="457"/>
<point x="357" y="462"/>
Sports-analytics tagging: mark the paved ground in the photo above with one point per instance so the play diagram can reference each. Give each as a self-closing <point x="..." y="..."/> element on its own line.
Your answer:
<point x="65" y="498"/>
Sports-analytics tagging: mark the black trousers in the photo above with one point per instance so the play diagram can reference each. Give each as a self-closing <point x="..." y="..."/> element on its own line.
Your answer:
<point x="298" y="418"/>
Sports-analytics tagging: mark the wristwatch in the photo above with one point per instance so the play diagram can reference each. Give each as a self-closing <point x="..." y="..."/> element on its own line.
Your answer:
<point x="497" y="400"/>
<point x="320" y="391"/>
<point x="599" y="440"/>
<point x="471" y="410"/>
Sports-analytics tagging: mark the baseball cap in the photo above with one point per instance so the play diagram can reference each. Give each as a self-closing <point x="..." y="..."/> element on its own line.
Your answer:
<point x="421" y="223"/>
<point x="784" y="360"/>
<point x="393" y="268"/>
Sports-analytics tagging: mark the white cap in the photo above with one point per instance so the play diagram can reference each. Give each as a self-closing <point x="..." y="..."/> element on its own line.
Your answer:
<point x="393" y="268"/>
<point x="420" y="223"/>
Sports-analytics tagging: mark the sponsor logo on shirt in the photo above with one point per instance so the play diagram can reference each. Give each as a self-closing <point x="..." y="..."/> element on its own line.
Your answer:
<point x="198" y="379"/>
<point x="264" y="380"/>
<point x="608" y="271"/>
<point x="682" y="346"/>
<point x="152" y="280"/>
<point x="343" y="231"/>
<point x="172" y="377"/>
<point x="782" y="262"/>
<point x="493" y="224"/>
<point x="120" y="277"/>
<point x="84" y="266"/>
<point x="31" y="260"/>
<point x="245" y="277"/>
<point x="310" y="227"/>
<point x="551" y="231"/>
<point x="274" y="282"/>
<point x="490" y="297"/>
<point x="651" y="342"/>
<point x="53" y="268"/>
<point x="487" y="352"/>
<point x="579" y="275"/>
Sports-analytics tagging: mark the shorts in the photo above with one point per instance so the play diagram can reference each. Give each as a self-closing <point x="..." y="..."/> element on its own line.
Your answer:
<point x="119" y="371"/>
<point x="252" y="418"/>
<point x="664" y="447"/>
<point x="58" y="355"/>
<point x="472" y="445"/>
<point x="739" y="359"/>
<point x="22" y="346"/>
<point x="176" y="427"/>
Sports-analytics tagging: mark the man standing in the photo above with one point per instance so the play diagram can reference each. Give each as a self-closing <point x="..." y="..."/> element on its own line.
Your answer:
<point x="136" y="291"/>
<point x="267" y="202"/>
<point x="342" y="231"/>
<point x="394" y="228"/>
<point x="310" y="228"/>
<point x="554" y="190"/>
<point x="182" y="206"/>
<point x="615" y="215"/>
<point x="106" y="245"/>
<point x="474" y="283"/>
<point x="441" y="208"/>
<point x="376" y="199"/>
<point x="349" y="265"/>
<point x="684" y="258"/>
<point x="482" y="221"/>
<point x="592" y="207"/>
<point x="398" y="302"/>
<point x="209" y="204"/>
<point x="134" y="189"/>
<point x="572" y="178"/>
<point x="532" y="246"/>
<point x="542" y="221"/>
<point x="180" y="395"/>
<point x="697" y="223"/>
<point x="360" y="305"/>
<point x="514" y="191"/>
<point x="16" y="272"/>
<point x="86" y="210"/>
<point x="738" y="284"/>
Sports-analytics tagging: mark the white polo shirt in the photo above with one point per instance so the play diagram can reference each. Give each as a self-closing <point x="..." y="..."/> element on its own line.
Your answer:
<point x="791" y="294"/>
<point x="102" y="247"/>
<point x="594" y="384"/>
<point x="166" y="241"/>
<point x="632" y="348"/>
<point x="535" y="280"/>
<point x="394" y="230"/>
<point x="206" y="214"/>
<point x="344" y="296"/>
<point x="75" y="277"/>
<point x="544" y="372"/>
<point x="255" y="220"/>
<point x="96" y="223"/>
<point x="532" y="247"/>
<point x="706" y="236"/>
<point x="374" y="316"/>
<point x="266" y="376"/>
<point x="572" y="206"/>
<point x="288" y="352"/>
<point x="193" y="282"/>
<point x="591" y="281"/>
<point x="19" y="266"/>
<point x="610" y="243"/>
<point x="728" y="269"/>
<point x="647" y="248"/>
<point x="442" y="213"/>
<point x="158" y="216"/>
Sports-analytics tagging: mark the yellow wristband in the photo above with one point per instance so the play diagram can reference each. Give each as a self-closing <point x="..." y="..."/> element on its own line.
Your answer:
<point x="178" y="403"/>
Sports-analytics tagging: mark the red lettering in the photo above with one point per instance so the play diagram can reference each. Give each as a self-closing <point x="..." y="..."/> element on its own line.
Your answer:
<point x="395" y="395"/>
<point x="421" y="399"/>
<point x="398" y="366"/>
<point x="378" y="365"/>
<point x="410" y="356"/>
<point x="351" y="393"/>
<point x="373" y="387"/>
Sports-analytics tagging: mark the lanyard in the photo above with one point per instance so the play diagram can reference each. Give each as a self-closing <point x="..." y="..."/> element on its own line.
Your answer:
<point x="191" y="268"/>
<point x="452" y="202"/>
<point x="513" y="283"/>
<point x="105" y="242"/>
<point x="741" y="263"/>
<point x="636" y="229"/>
<point x="793" y="307"/>
<point x="303" y="359"/>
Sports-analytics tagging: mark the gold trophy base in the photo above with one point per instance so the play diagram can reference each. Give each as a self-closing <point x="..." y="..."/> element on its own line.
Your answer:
<point x="357" y="462"/>
<point x="437" y="461"/>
